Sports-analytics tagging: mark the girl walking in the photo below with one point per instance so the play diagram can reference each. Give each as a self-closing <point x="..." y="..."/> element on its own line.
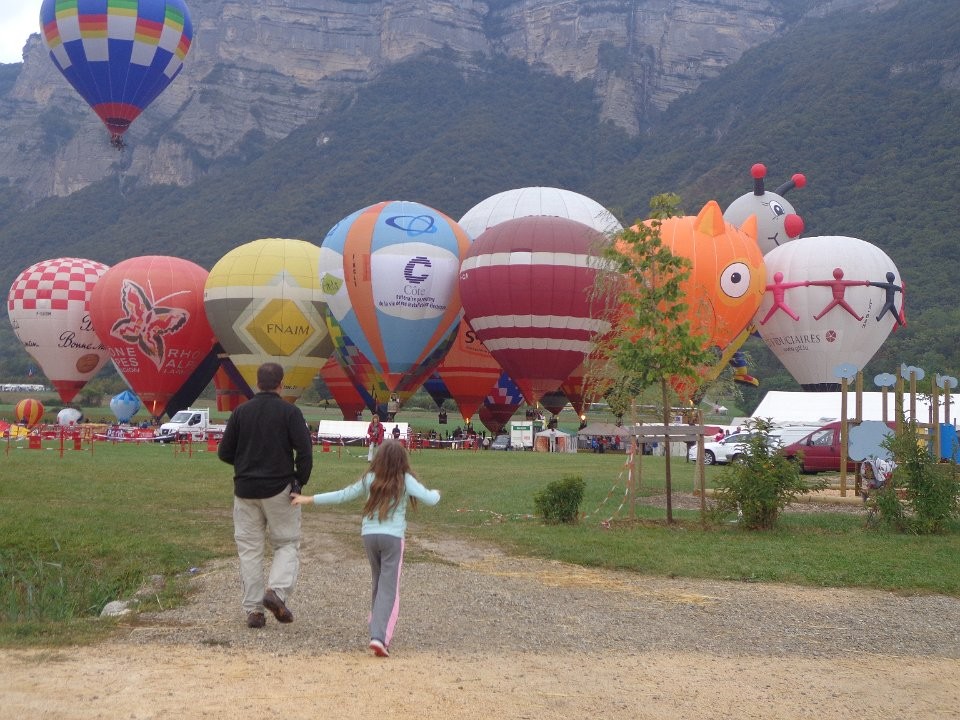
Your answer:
<point x="387" y="485"/>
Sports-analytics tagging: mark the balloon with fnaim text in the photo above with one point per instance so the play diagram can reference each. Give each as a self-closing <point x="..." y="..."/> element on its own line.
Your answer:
<point x="265" y="304"/>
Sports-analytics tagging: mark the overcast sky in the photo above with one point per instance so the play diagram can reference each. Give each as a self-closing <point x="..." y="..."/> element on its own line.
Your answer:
<point x="18" y="18"/>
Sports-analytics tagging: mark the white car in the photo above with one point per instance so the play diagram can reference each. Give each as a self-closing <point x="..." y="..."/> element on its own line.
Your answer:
<point x="732" y="446"/>
<point x="721" y="451"/>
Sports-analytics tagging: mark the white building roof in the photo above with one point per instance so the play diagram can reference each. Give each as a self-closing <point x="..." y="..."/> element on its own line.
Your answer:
<point x="824" y="407"/>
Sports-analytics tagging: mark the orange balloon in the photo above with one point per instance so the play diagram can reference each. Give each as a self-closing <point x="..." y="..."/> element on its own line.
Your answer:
<point x="345" y="393"/>
<point x="229" y="394"/>
<point x="727" y="280"/>
<point x="469" y="371"/>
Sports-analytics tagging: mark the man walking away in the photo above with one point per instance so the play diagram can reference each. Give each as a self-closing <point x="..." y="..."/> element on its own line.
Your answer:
<point x="268" y="443"/>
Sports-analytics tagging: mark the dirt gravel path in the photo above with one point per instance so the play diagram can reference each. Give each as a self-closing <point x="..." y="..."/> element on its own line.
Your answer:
<point x="484" y="635"/>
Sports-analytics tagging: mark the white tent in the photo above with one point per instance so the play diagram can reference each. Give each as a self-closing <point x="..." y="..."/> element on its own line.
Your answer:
<point x="820" y="408"/>
<point x="348" y="430"/>
<point x="564" y="443"/>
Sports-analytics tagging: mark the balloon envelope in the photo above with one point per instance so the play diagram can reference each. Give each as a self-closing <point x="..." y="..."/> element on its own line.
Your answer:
<point x="777" y="221"/>
<point x="344" y="392"/>
<point x="500" y="404"/>
<point x="118" y="55"/>
<point x="264" y="302"/>
<point x="49" y="308"/>
<point x="437" y="390"/>
<point x="725" y="282"/>
<point x="29" y="412"/>
<point x="68" y="416"/>
<point x="830" y="300"/>
<point x="124" y="406"/>
<point x="533" y="201"/>
<point x="389" y="274"/>
<point x="526" y="286"/>
<point x="468" y="371"/>
<point x="230" y="394"/>
<point x="149" y="313"/>
<point x="554" y="401"/>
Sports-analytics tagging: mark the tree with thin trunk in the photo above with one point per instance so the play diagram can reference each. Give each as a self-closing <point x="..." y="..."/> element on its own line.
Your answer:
<point x="655" y="341"/>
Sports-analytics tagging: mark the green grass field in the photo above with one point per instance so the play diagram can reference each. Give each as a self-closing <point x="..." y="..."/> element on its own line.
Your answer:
<point x="90" y="527"/>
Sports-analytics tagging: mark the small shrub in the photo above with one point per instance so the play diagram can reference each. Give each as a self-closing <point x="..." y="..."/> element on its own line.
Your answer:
<point x="761" y="483"/>
<point x="922" y="495"/>
<point x="560" y="501"/>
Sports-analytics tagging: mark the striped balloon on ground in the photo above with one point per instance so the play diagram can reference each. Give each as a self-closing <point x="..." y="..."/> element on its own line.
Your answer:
<point x="529" y="201"/>
<point x="526" y="286"/>
<point x="29" y="412"/>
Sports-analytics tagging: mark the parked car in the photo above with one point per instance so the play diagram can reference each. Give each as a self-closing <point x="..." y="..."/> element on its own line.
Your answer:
<point x="731" y="447"/>
<point x="722" y="451"/>
<point x="819" y="451"/>
<point x="502" y="442"/>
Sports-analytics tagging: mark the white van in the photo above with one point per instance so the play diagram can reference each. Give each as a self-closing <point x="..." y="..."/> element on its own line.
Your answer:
<point x="789" y="434"/>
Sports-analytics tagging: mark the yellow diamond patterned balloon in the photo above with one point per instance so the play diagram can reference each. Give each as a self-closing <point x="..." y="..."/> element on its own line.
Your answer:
<point x="281" y="328"/>
<point x="265" y="303"/>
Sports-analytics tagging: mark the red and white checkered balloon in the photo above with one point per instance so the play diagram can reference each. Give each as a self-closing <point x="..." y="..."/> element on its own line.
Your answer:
<point x="49" y="308"/>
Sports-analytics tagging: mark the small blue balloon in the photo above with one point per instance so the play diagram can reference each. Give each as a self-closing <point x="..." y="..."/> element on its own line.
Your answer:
<point x="124" y="406"/>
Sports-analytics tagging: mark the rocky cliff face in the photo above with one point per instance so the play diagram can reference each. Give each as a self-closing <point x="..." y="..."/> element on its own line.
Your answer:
<point x="260" y="68"/>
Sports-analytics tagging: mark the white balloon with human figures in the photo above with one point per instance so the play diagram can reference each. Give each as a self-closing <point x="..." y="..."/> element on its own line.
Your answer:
<point x="829" y="300"/>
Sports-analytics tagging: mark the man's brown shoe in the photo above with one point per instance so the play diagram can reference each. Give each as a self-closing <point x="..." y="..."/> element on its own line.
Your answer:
<point x="273" y="603"/>
<point x="256" y="620"/>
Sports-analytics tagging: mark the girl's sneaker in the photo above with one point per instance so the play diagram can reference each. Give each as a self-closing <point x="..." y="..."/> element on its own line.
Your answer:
<point x="379" y="649"/>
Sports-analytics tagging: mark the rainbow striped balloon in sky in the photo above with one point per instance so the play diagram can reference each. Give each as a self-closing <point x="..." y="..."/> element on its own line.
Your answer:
<point x="118" y="54"/>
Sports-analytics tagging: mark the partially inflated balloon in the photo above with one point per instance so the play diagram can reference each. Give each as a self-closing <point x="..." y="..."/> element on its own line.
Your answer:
<point x="389" y="274"/>
<point x="29" y="412"/>
<point x="69" y="416"/>
<point x="49" y="307"/>
<point x="527" y="287"/>
<point x="149" y="313"/>
<point x="265" y="304"/>
<point x="118" y="54"/>
<point x="829" y="301"/>
<point x="124" y="406"/>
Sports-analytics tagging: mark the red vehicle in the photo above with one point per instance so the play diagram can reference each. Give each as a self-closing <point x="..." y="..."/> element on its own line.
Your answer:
<point x="820" y="450"/>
